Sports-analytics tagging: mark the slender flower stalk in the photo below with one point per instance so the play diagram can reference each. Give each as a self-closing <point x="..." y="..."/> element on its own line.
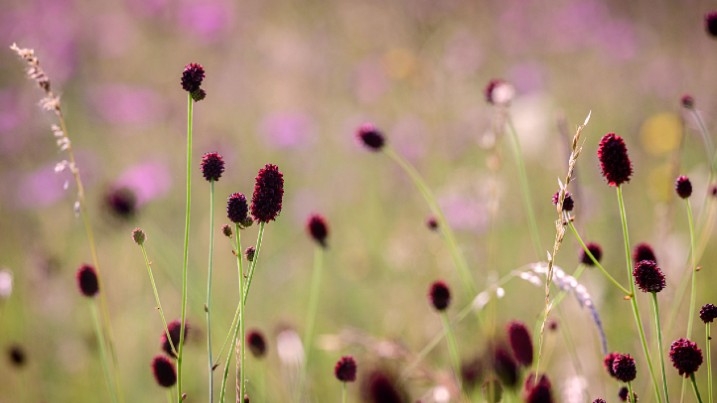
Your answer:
<point x="658" y="330"/>
<point x="103" y="348"/>
<point x="693" y="268"/>
<point x="452" y="349"/>
<point x="695" y="388"/>
<point x="238" y="325"/>
<point x="207" y="305"/>
<point x="596" y="261"/>
<point x="313" y="303"/>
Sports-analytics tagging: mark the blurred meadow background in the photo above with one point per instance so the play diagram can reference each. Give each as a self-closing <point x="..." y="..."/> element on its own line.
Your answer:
<point x="288" y="83"/>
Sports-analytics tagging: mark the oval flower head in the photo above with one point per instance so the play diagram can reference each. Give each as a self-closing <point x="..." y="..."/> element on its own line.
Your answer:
<point x="268" y="194"/>
<point x="614" y="161"/>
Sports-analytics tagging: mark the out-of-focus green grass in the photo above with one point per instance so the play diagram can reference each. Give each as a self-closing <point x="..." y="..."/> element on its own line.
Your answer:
<point x="416" y="69"/>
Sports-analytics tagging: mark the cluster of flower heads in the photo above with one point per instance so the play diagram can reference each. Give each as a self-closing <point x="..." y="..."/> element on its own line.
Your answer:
<point x="163" y="368"/>
<point x="192" y="78"/>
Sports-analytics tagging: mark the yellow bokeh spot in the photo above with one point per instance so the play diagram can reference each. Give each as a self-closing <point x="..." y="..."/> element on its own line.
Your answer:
<point x="661" y="133"/>
<point x="660" y="183"/>
<point x="399" y="63"/>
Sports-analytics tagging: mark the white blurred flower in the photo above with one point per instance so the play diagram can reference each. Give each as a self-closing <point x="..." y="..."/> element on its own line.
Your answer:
<point x="5" y="283"/>
<point x="290" y="348"/>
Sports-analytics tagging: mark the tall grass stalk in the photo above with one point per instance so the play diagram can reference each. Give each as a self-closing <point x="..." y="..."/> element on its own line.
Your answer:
<point x="658" y="330"/>
<point x="207" y="306"/>
<point x="633" y="296"/>
<point x="185" y="260"/>
<point x="237" y="326"/>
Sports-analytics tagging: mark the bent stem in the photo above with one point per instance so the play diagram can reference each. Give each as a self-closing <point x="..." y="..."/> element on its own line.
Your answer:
<point x="185" y="262"/>
<point x="207" y="306"/>
<point x="525" y="188"/>
<point x="658" y="329"/>
<point x="633" y="299"/>
<point x="148" y="264"/>
<point x="596" y="262"/>
<point x="448" y="235"/>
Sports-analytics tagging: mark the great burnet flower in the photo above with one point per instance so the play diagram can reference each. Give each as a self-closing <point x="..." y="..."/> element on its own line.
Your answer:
<point x="643" y="251"/>
<point x="192" y="77"/>
<point x="614" y="161"/>
<point x="164" y="372"/>
<point x="708" y="313"/>
<point x="521" y="343"/>
<point x="686" y="356"/>
<point x="318" y="229"/>
<point x="568" y="202"/>
<point x="595" y="250"/>
<point x="683" y="187"/>
<point x="439" y="295"/>
<point x="345" y="369"/>
<point x="648" y="276"/>
<point x="268" y="194"/>
<point x="256" y="342"/>
<point x="370" y="137"/>
<point x="87" y="280"/>
<point x="237" y="208"/>
<point x="623" y="368"/>
<point x="175" y="328"/>
<point x="212" y="166"/>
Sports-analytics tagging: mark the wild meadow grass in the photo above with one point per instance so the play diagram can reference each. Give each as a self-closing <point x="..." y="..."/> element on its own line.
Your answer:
<point x="349" y="254"/>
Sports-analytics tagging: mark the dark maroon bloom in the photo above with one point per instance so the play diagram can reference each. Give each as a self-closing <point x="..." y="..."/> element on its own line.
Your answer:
<point x="683" y="187"/>
<point x="505" y="367"/>
<point x="256" y="342"/>
<point x="381" y="387"/>
<point x="16" y="354"/>
<point x="164" y="371"/>
<point x="138" y="236"/>
<point x="237" y="208"/>
<point x="643" y="251"/>
<point x="708" y="313"/>
<point x="713" y="190"/>
<point x="599" y="400"/>
<point x="268" y="194"/>
<point x="648" y="277"/>
<point x="623" y="368"/>
<point x="249" y="253"/>
<point x="711" y="23"/>
<point x="687" y="101"/>
<point x="685" y="356"/>
<point x="212" y="166"/>
<point x="345" y="369"/>
<point x="370" y="136"/>
<point x="608" y="361"/>
<point x="227" y="230"/>
<point x="432" y="223"/>
<point x="318" y="229"/>
<point x="614" y="161"/>
<point x="192" y="77"/>
<point x="521" y="343"/>
<point x="595" y="250"/>
<point x="538" y="392"/>
<point x="175" y="328"/>
<point x="88" y="281"/>
<point x="121" y="202"/>
<point x="568" y="202"/>
<point x="440" y="295"/>
<point x="622" y="394"/>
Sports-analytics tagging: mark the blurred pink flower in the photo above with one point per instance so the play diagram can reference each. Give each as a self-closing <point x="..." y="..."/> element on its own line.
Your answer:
<point x="207" y="20"/>
<point x="148" y="181"/>
<point x="126" y="104"/>
<point x="287" y="130"/>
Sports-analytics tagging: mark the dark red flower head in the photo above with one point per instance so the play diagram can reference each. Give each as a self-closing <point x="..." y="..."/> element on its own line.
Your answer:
<point x="249" y="253"/>
<point x="568" y="202"/>
<point x="599" y="400"/>
<point x="643" y="251"/>
<point x="175" y="328"/>
<point x="318" y="229"/>
<point x="17" y="356"/>
<point x="648" y="277"/>
<point x="539" y="391"/>
<point x="164" y="371"/>
<point x="687" y="101"/>
<point x="505" y="367"/>
<point x="614" y="161"/>
<point x="623" y="368"/>
<point x="520" y="343"/>
<point x="370" y="137"/>
<point x="121" y="202"/>
<point x="87" y="280"/>
<point x="345" y="369"/>
<point x="439" y="295"/>
<point x="227" y="230"/>
<point x="268" y="194"/>
<point x="685" y="356"/>
<point x="683" y="187"/>
<point x="192" y="77"/>
<point x="381" y="387"/>
<point x="595" y="250"/>
<point x="212" y="166"/>
<point x="711" y="23"/>
<point x="623" y="392"/>
<point x="608" y="361"/>
<point x="237" y="209"/>
<point x="432" y="223"/>
<point x="708" y="313"/>
<point x="257" y="343"/>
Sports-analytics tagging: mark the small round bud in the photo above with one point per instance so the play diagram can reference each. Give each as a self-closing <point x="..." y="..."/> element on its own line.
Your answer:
<point x="249" y="253"/>
<point x="318" y="229"/>
<point x="687" y="101"/>
<point x="683" y="187"/>
<point x="370" y="137"/>
<point x="440" y="295"/>
<point x="227" y="230"/>
<point x="87" y="280"/>
<point x="138" y="236"/>
<point x="568" y="202"/>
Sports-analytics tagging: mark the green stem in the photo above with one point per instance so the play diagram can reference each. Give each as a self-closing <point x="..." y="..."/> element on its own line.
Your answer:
<point x="313" y="301"/>
<point x="156" y="298"/>
<point x="103" y="349"/>
<point x="185" y="261"/>
<point x="252" y="266"/>
<point x="658" y="329"/>
<point x="207" y="306"/>
<point x="523" y="179"/>
<point x="238" y="325"/>
<point x="452" y="349"/>
<point x="343" y="392"/>
<point x="596" y="262"/>
<point x="450" y="239"/>
<point x="693" y="268"/>
<point x="633" y="297"/>
<point x="694" y="387"/>
<point x="708" y="352"/>
<point x="630" y="394"/>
